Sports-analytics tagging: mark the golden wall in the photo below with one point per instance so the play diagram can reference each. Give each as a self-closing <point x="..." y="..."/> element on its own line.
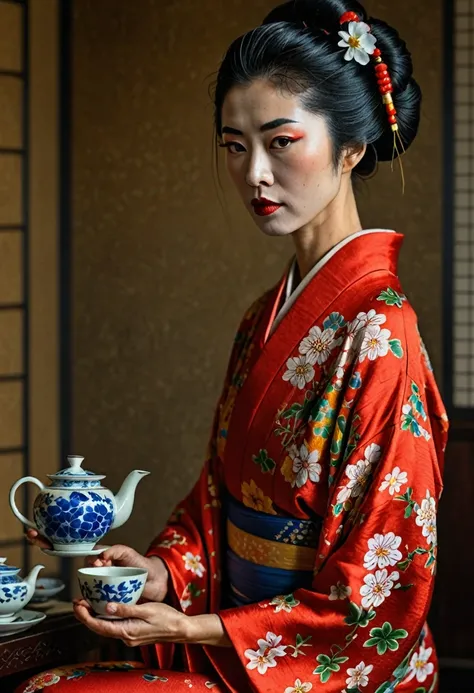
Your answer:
<point x="161" y="275"/>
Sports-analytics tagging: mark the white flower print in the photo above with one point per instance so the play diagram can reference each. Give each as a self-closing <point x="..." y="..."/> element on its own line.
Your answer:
<point x="261" y="659"/>
<point x="359" y="42"/>
<point x="359" y="473"/>
<point x="317" y="346"/>
<point x="300" y="372"/>
<point x="377" y="587"/>
<point x="383" y="551"/>
<point x="394" y="481"/>
<point x="273" y="641"/>
<point x="426" y="518"/>
<point x="185" y="603"/>
<point x="193" y="563"/>
<point x="420" y="666"/>
<point x="362" y="321"/>
<point x="281" y="603"/>
<point x="340" y="591"/>
<point x="375" y="343"/>
<point x="299" y="687"/>
<point x="305" y="465"/>
<point x="359" y="677"/>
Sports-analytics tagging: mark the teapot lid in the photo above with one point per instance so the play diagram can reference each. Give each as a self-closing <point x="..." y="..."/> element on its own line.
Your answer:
<point x="7" y="569"/>
<point x="75" y="471"/>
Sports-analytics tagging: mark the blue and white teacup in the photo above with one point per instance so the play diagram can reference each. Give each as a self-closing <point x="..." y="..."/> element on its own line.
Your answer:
<point x="101" y="586"/>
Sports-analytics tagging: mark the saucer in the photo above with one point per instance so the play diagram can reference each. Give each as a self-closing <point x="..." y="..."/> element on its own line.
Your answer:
<point x="25" y="619"/>
<point x="75" y="554"/>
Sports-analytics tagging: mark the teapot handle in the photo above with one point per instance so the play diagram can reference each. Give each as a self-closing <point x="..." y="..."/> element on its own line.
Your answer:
<point x="13" y="505"/>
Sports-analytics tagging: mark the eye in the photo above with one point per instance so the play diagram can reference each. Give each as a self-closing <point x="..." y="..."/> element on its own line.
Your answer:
<point x="229" y="145"/>
<point x="284" y="142"/>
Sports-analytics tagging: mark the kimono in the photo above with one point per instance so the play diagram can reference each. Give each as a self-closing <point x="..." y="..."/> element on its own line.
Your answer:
<point x="311" y="530"/>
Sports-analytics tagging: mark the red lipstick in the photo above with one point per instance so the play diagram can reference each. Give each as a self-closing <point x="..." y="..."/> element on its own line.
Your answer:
<point x="264" y="207"/>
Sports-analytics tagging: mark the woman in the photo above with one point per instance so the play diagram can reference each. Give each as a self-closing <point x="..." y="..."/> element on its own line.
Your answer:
<point x="304" y="556"/>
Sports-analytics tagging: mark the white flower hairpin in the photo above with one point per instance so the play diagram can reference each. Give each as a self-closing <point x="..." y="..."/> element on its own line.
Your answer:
<point x="359" y="42"/>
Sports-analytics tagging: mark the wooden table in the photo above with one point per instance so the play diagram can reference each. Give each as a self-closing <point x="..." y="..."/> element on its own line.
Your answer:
<point x="56" y="641"/>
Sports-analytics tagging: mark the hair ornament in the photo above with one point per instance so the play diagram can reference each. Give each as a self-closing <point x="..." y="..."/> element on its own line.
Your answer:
<point x="361" y="46"/>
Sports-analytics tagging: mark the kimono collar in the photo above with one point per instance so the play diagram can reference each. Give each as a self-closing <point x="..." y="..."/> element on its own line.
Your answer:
<point x="348" y="260"/>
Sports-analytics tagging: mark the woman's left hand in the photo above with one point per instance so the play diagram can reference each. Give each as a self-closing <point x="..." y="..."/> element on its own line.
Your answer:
<point x="142" y="624"/>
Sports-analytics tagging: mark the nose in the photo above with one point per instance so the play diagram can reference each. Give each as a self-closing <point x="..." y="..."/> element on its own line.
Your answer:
<point x="259" y="171"/>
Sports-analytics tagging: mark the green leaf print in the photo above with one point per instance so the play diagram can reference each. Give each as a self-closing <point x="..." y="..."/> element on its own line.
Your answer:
<point x="338" y="436"/>
<point x="358" y="616"/>
<point x="392" y="297"/>
<point x="416" y="402"/>
<point x="396" y="348"/>
<point x="266" y="464"/>
<point x="294" y="410"/>
<point x="300" y="643"/>
<point x="385" y="638"/>
<point x="402" y="670"/>
<point x="334" y="322"/>
<point x="328" y="666"/>
<point x="387" y="687"/>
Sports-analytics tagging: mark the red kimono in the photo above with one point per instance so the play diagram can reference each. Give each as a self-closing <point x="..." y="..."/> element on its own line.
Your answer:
<point x="323" y="473"/>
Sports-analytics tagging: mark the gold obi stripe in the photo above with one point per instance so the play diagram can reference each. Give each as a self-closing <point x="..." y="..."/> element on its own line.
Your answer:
<point x="272" y="554"/>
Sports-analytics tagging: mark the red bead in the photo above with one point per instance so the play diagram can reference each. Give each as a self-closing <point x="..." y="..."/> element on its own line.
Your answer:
<point x="381" y="67"/>
<point x="391" y="110"/>
<point x="392" y="120"/>
<point x="384" y="80"/>
<point x="387" y="89"/>
<point x="383" y="75"/>
<point x="377" y="53"/>
<point x="349" y="17"/>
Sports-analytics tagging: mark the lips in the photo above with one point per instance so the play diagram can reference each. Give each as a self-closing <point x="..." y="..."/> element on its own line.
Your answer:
<point x="264" y="207"/>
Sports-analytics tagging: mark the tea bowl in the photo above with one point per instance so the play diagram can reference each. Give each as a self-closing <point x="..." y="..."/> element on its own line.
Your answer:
<point x="101" y="586"/>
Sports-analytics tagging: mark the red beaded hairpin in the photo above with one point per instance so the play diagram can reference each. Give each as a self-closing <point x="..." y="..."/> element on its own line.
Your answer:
<point x="385" y="88"/>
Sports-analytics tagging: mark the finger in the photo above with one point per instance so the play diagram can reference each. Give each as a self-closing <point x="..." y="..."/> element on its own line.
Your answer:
<point x="118" y="552"/>
<point x="141" y="611"/>
<point x="35" y="539"/>
<point x="109" y="629"/>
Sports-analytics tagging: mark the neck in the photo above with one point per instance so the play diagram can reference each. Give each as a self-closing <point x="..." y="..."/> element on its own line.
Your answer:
<point x="339" y="220"/>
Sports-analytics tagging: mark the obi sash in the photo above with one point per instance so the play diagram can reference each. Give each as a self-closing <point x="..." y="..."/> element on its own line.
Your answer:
<point x="267" y="555"/>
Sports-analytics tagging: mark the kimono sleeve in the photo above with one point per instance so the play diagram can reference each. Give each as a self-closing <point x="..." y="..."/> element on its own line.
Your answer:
<point x="357" y="628"/>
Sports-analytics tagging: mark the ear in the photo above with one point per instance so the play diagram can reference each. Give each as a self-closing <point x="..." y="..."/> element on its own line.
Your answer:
<point x="351" y="156"/>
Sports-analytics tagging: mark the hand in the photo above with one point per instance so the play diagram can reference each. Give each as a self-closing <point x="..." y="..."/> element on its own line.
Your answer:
<point x="156" y="586"/>
<point x="143" y="624"/>
<point x="34" y="538"/>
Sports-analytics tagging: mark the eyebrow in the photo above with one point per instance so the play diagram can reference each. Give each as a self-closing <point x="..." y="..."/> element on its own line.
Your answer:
<point x="264" y="128"/>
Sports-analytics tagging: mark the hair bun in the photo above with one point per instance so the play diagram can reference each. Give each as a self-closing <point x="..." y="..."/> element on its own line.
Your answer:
<point x="297" y="49"/>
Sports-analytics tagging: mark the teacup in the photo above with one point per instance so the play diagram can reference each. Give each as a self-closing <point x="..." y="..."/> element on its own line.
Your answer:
<point x="46" y="588"/>
<point x="101" y="586"/>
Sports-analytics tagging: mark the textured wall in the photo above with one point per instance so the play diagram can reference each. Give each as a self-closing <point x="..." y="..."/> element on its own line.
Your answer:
<point x="161" y="277"/>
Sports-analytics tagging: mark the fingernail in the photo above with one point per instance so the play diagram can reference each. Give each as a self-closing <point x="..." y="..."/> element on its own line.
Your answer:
<point x="112" y="608"/>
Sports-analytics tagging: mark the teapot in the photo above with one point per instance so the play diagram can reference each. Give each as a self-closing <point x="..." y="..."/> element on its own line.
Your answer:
<point x="15" y="593"/>
<point x="75" y="511"/>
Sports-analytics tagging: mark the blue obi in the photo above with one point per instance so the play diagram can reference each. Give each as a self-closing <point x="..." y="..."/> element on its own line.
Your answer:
<point x="267" y="555"/>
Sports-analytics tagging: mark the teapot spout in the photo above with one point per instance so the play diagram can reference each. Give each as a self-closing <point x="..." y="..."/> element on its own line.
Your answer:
<point x="125" y="497"/>
<point x="30" y="580"/>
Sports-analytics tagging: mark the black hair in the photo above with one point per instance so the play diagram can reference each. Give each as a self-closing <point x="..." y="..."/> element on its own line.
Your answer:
<point x="296" y="49"/>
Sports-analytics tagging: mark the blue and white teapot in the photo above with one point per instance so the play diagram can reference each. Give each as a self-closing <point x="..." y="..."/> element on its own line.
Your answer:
<point x="75" y="511"/>
<point x="15" y="593"/>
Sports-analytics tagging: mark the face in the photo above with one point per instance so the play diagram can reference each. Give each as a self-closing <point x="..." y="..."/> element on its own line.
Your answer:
<point x="279" y="152"/>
